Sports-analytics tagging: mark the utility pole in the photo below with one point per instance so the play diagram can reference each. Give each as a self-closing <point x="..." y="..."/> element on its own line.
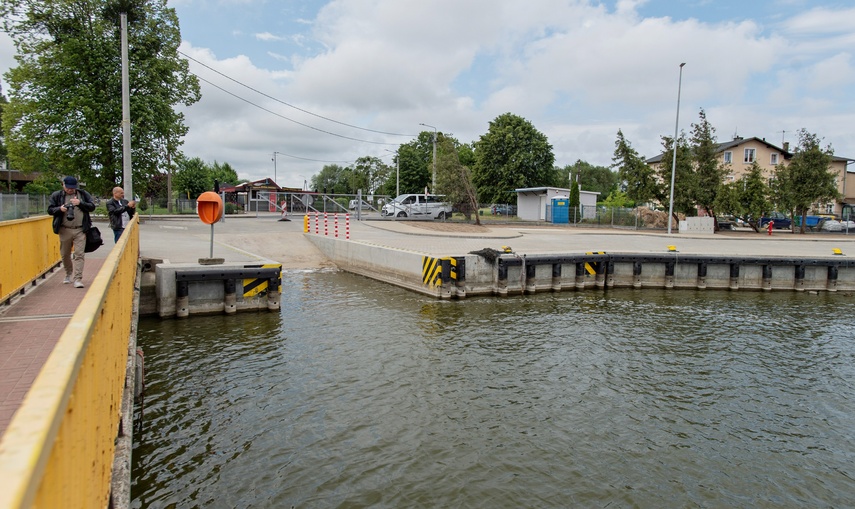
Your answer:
<point x="127" y="182"/>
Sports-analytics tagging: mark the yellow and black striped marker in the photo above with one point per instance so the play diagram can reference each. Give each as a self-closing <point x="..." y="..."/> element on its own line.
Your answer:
<point x="258" y="286"/>
<point x="593" y="267"/>
<point x="432" y="270"/>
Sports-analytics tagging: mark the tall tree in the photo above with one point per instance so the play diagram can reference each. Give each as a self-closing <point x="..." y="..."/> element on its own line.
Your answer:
<point x="511" y="155"/>
<point x="192" y="177"/>
<point x="709" y="174"/>
<point x="454" y="180"/>
<point x="414" y="166"/>
<point x="639" y="179"/>
<point x="754" y="199"/>
<point x="65" y="109"/>
<point x="223" y="173"/>
<point x="684" y="177"/>
<point x="368" y="174"/>
<point x="808" y="181"/>
<point x="333" y="179"/>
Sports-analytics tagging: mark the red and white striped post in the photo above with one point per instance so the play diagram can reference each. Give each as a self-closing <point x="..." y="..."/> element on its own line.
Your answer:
<point x="347" y="226"/>
<point x="317" y="227"/>
<point x="335" y="224"/>
<point x="326" y="225"/>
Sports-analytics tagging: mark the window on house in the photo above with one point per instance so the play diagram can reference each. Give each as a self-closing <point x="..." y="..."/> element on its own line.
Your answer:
<point x="829" y="208"/>
<point x="731" y="178"/>
<point x="749" y="155"/>
<point x="774" y="159"/>
<point x="728" y="157"/>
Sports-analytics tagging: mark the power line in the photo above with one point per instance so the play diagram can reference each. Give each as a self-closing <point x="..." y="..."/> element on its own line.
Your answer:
<point x="313" y="160"/>
<point x="291" y="105"/>
<point x="290" y="119"/>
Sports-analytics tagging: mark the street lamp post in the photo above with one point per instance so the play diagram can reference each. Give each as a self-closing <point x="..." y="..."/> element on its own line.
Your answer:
<point x="433" y="182"/>
<point x="674" y="148"/>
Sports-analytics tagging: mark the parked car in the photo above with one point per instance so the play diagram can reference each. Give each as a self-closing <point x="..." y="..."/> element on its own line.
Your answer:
<point x="729" y="222"/>
<point x="417" y="205"/>
<point x="503" y="209"/>
<point x="781" y="221"/>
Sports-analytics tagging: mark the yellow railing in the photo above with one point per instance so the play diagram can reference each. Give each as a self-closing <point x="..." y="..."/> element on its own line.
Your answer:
<point x="28" y="249"/>
<point x="58" y="450"/>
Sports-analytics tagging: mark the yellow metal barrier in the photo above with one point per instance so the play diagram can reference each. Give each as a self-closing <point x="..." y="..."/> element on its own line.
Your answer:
<point x="28" y="249"/>
<point x="58" y="450"/>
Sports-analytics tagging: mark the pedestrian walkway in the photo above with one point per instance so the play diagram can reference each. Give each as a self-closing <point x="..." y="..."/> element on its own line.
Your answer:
<point x="30" y="328"/>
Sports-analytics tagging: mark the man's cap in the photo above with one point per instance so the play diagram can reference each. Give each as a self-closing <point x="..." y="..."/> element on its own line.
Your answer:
<point x="70" y="182"/>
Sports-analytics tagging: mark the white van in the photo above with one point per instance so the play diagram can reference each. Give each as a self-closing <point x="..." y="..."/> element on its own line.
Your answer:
<point x="417" y="206"/>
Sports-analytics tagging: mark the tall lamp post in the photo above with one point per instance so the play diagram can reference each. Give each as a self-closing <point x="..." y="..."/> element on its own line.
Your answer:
<point x="397" y="171"/>
<point x="674" y="148"/>
<point x="274" y="167"/>
<point x="433" y="182"/>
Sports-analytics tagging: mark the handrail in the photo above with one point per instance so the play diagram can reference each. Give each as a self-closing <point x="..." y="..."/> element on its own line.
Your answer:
<point x="58" y="450"/>
<point x="28" y="249"/>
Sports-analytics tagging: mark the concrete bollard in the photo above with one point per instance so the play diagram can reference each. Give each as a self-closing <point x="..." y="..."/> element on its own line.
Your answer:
<point x="230" y="299"/>
<point x="273" y="295"/>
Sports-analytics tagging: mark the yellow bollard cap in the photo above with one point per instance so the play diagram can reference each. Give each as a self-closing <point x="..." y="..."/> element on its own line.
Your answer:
<point x="672" y="248"/>
<point x="837" y="251"/>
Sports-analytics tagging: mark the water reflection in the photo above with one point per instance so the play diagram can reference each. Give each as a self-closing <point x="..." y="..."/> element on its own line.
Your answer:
<point x="361" y="394"/>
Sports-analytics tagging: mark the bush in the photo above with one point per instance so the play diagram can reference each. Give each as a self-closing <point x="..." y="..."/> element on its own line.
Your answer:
<point x="231" y="208"/>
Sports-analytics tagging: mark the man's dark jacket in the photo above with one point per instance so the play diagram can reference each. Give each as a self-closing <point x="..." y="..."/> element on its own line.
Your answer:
<point x="57" y="200"/>
<point x="115" y="208"/>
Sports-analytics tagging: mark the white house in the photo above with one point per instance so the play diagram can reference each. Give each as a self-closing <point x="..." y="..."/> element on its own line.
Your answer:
<point x="532" y="201"/>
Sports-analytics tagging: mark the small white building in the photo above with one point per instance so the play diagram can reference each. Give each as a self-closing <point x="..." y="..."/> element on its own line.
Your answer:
<point x="533" y="201"/>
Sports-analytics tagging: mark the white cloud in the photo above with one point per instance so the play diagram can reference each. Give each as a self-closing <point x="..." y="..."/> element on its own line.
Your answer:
<point x="267" y="36"/>
<point x="577" y="70"/>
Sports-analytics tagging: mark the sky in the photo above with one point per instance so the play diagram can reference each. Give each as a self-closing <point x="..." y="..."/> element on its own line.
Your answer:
<point x="288" y="87"/>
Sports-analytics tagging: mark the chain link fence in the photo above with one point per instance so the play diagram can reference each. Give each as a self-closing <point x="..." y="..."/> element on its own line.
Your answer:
<point x="19" y="206"/>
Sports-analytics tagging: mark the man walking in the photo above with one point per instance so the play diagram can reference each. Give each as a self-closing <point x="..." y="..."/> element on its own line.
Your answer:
<point x="70" y="209"/>
<point x="121" y="211"/>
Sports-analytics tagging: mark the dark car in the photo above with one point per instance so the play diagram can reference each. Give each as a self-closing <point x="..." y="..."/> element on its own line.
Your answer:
<point x="781" y="221"/>
<point x="504" y="210"/>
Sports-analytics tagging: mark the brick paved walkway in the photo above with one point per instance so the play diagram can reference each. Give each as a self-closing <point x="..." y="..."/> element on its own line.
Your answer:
<point x="30" y="328"/>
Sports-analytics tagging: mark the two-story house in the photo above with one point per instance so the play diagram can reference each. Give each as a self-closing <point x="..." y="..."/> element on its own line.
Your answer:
<point x="739" y="153"/>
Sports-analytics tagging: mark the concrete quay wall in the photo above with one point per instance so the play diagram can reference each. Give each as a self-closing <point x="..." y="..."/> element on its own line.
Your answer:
<point x="469" y="275"/>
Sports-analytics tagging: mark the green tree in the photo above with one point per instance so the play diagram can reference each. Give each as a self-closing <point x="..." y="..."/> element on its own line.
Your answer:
<point x="574" y="198"/>
<point x="754" y="198"/>
<point x="511" y="155"/>
<point x="332" y="179"/>
<point x="223" y="173"/>
<point x="415" y="163"/>
<point x="807" y="182"/>
<point x="598" y="179"/>
<point x="368" y="174"/>
<point x="617" y="199"/>
<point x="709" y="173"/>
<point x="43" y="184"/>
<point x="684" y="177"/>
<point x="638" y="178"/>
<point x="192" y="177"/>
<point x="454" y="180"/>
<point x="65" y="109"/>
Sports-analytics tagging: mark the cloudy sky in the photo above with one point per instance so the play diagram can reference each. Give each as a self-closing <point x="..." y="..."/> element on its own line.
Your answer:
<point x="322" y="82"/>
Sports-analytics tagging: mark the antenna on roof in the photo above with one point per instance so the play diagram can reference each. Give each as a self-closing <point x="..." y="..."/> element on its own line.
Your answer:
<point x="782" y="137"/>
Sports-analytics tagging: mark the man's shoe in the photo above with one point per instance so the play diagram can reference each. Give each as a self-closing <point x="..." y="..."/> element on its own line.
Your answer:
<point x="78" y="284"/>
<point x="66" y="280"/>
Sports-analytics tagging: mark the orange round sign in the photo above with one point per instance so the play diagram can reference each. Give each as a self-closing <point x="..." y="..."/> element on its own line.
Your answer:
<point x="209" y="206"/>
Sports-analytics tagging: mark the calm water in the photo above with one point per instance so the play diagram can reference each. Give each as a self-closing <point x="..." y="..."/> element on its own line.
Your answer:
<point x="360" y="394"/>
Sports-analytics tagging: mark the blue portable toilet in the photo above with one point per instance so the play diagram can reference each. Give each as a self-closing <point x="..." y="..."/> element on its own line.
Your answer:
<point x="560" y="210"/>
